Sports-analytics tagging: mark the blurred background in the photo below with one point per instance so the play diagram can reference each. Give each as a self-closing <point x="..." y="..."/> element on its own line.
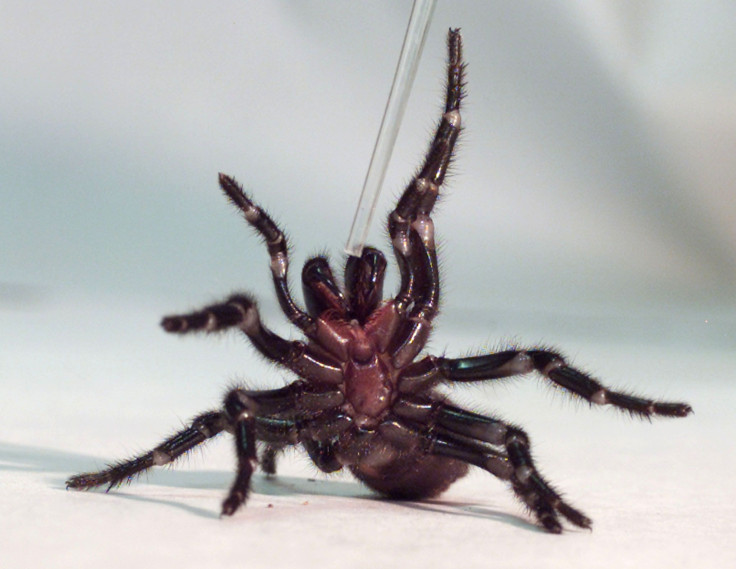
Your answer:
<point x="595" y="173"/>
<point x="591" y="207"/>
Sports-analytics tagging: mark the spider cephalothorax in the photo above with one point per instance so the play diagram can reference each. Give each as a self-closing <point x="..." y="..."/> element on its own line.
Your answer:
<point x="364" y="398"/>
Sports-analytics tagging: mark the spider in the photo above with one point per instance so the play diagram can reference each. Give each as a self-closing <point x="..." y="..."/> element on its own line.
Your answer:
<point x="365" y="397"/>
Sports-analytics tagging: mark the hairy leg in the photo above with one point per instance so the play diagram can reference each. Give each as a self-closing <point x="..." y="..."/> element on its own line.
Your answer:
<point x="249" y="416"/>
<point x="253" y="416"/>
<point x="277" y="250"/>
<point x="411" y="228"/>
<point x="548" y="363"/>
<point x="202" y="428"/>
<point x="441" y="429"/>
<point x="240" y="311"/>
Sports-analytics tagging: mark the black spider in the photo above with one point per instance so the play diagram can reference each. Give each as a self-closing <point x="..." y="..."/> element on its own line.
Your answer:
<point x="362" y="398"/>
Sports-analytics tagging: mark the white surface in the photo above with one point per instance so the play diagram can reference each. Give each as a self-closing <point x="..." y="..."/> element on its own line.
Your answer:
<point x="592" y="208"/>
<point x="87" y="383"/>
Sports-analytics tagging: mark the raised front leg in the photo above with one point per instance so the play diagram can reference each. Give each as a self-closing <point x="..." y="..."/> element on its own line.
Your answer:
<point x="277" y="250"/>
<point x="411" y="228"/>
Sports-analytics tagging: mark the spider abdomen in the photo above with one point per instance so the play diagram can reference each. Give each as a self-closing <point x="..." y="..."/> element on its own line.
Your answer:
<point x="412" y="475"/>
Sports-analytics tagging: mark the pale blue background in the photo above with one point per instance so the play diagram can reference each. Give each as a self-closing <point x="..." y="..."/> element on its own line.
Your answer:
<point x="591" y="208"/>
<point x="596" y="169"/>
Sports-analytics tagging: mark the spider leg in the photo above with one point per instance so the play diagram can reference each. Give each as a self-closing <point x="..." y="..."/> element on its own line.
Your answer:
<point x="438" y="428"/>
<point x="411" y="228"/>
<point x="548" y="363"/>
<point x="421" y="193"/>
<point x="277" y="249"/>
<point x="268" y="459"/>
<point x="202" y="428"/>
<point x="250" y="414"/>
<point x="318" y="435"/>
<point x="416" y="326"/>
<point x="241" y="412"/>
<point x="240" y="311"/>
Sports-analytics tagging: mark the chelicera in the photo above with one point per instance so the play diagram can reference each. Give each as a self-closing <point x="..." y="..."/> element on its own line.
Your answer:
<point x="365" y="397"/>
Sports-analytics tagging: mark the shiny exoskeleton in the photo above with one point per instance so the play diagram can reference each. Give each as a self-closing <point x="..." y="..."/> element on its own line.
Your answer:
<point x="365" y="397"/>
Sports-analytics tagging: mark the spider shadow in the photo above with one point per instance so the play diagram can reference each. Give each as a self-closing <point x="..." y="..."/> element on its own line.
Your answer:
<point x="285" y="486"/>
<point x="59" y="464"/>
<point x="473" y="510"/>
<point x="220" y="480"/>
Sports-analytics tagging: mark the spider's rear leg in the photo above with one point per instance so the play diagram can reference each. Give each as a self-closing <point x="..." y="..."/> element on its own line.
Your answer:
<point x="269" y="457"/>
<point x="241" y="412"/>
<point x="202" y="428"/>
<point x="249" y="415"/>
<point x="534" y="491"/>
<point x="442" y="429"/>
<point x="254" y="415"/>
<point x="548" y="363"/>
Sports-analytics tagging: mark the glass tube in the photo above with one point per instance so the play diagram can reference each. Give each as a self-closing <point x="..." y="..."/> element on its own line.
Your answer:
<point x="406" y="70"/>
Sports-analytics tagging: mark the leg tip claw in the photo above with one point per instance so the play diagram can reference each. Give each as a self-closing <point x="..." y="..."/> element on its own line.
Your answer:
<point x="231" y="504"/>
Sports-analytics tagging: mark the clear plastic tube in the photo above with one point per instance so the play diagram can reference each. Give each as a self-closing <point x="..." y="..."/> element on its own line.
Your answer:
<point x="406" y="70"/>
